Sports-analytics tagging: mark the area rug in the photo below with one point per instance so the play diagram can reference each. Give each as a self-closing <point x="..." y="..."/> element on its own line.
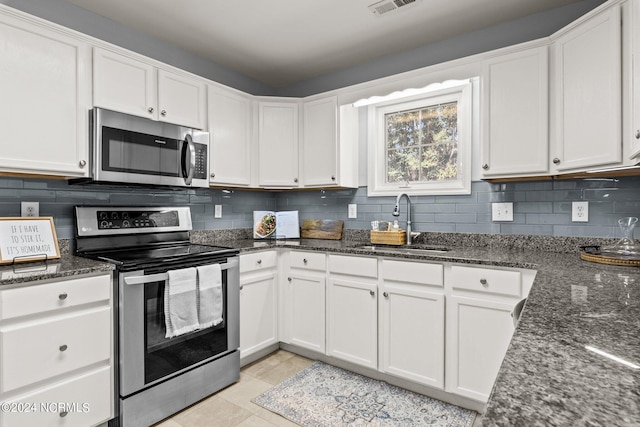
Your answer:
<point x="322" y="395"/>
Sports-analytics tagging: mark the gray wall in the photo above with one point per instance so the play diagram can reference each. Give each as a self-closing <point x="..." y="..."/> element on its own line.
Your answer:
<point x="528" y="28"/>
<point x="541" y="208"/>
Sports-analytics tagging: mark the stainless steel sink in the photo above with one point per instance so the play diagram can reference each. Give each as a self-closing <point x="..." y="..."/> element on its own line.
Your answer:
<point x="412" y="250"/>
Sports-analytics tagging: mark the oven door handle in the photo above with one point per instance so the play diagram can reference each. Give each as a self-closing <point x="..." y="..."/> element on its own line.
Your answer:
<point x="160" y="277"/>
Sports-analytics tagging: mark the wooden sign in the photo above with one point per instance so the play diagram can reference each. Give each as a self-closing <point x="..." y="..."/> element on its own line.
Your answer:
<point x="322" y="229"/>
<point x="24" y="239"/>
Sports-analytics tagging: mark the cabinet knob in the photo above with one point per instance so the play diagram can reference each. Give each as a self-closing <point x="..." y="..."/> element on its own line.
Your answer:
<point x="485" y="166"/>
<point x="63" y="296"/>
<point x="63" y="347"/>
<point x="150" y="110"/>
<point x="163" y="113"/>
<point x="483" y="282"/>
<point x="556" y="161"/>
<point x="82" y="163"/>
<point x="372" y="293"/>
<point x="385" y="294"/>
<point x="63" y="414"/>
<point x="305" y="261"/>
<point x="213" y="175"/>
<point x="289" y="279"/>
<point x="638" y="134"/>
<point x="259" y="261"/>
<point x="241" y="286"/>
<point x="333" y="177"/>
<point x="295" y="180"/>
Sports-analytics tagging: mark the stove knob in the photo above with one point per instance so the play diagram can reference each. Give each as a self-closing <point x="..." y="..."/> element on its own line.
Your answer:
<point x="126" y="224"/>
<point x="104" y="224"/>
<point x="103" y="215"/>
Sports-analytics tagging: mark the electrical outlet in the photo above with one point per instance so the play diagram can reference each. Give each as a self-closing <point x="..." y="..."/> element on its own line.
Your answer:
<point x="502" y="211"/>
<point x="217" y="211"/>
<point x="580" y="211"/>
<point x="30" y="209"/>
<point x="353" y="210"/>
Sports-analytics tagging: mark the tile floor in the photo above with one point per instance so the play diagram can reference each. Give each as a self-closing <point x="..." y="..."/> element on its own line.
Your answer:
<point x="232" y="406"/>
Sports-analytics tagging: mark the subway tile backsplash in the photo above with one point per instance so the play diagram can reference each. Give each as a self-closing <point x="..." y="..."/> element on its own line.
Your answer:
<point x="541" y="208"/>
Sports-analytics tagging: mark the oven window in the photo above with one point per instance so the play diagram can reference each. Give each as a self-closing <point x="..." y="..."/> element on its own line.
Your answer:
<point x="165" y="356"/>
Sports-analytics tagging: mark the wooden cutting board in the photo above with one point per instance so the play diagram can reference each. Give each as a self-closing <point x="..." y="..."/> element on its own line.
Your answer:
<point x="329" y="229"/>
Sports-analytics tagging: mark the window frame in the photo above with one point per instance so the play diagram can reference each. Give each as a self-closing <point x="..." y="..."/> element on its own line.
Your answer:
<point x="460" y="92"/>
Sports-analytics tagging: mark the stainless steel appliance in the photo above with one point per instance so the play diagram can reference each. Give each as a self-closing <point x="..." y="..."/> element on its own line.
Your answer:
<point x="135" y="150"/>
<point x="158" y="376"/>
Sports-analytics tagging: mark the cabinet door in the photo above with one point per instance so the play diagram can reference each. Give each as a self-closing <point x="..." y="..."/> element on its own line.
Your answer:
<point x="412" y="334"/>
<point x="230" y="137"/>
<point x="45" y="91"/>
<point x="307" y="311"/>
<point x="634" y="138"/>
<point x="352" y="321"/>
<point x="258" y="319"/>
<point x="181" y="100"/>
<point x="320" y="142"/>
<point x="124" y="84"/>
<point x="516" y="114"/>
<point x="478" y="334"/>
<point x="278" y="144"/>
<point x="588" y="124"/>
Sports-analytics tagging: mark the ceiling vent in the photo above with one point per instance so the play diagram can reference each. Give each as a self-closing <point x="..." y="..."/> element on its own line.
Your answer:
<point x="386" y="6"/>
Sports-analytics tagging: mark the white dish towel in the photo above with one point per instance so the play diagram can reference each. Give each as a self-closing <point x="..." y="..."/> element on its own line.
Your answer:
<point x="210" y="294"/>
<point x="180" y="302"/>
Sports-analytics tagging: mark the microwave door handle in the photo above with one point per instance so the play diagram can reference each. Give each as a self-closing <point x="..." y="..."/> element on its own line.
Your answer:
<point x="190" y="167"/>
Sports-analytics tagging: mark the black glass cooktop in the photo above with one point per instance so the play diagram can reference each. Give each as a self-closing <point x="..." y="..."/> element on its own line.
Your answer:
<point x="158" y="255"/>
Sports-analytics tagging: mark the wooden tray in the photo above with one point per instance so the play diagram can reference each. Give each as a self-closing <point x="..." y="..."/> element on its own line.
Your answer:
<point x="389" y="237"/>
<point x="603" y="259"/>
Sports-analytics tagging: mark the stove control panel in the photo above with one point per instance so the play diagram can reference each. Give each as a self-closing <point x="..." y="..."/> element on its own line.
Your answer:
<point x="117" y="219"/>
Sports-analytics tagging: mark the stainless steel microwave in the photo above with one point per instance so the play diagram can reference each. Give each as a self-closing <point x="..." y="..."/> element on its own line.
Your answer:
<point x="135" y="150"/>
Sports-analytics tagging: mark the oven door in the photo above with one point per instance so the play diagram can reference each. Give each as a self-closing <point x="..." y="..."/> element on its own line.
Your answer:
<point x="146" y="356"/>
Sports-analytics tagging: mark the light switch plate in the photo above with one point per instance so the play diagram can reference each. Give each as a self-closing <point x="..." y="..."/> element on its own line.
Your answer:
<point x="580" y="211"/>
<point x="502" y="211"/>
<point x="353" y="210"/>
<point x="217" y="211"/>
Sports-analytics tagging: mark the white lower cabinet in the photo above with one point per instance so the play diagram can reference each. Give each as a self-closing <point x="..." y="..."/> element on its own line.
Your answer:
<point x="411" y="322"/>
<point x="258" y="302"/>
<point x="56" y="353"/>
<point x="479" y="327"/>
<point x="305" y="308"/>
<point x="352" y="309"/>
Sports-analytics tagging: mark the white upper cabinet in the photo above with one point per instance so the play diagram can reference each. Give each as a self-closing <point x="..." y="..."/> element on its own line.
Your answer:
<point x="127" y="84"/>
<point x="632" y="52"/>
<point x="230" y="136"/>
<point x="45" y="88"/>
<point x="515" y="114"/>
<point x="587" y="92"/>
<point x="329" y="145"/>
<point x="278" y="143"/>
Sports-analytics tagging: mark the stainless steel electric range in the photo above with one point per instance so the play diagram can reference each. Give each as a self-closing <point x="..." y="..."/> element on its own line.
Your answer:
<point x="157" y="376"/>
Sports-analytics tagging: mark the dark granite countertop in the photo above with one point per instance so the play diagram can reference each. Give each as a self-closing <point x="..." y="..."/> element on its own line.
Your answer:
<point x="67" y="266"/>
<point x="554" y="373"/>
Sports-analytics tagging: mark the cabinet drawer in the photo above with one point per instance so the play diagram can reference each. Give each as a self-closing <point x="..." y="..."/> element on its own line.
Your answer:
<point x="35" y="351"/>
<point x="257" y="261"/>
<point x="308" y="260"/>
<point x="51" y="296"/>
<point x="487" y="280"/>
<point x="420" y="273"/>
<point x="356" y="266"/>
<point x="85" y="398"/>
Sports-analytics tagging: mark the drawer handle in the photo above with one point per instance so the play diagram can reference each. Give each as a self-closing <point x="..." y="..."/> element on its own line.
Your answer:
<point x="483" y="282"/>
<point x="64" y="414"/>
<point x="63" y="296"/>
<point x="385" y="294"/>
<point x="372" y="293"/>
<point x="305" y="260"/>
<point x="63" y="347"/>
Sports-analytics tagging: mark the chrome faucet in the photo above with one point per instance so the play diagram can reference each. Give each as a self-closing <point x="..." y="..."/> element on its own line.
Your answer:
<point x="396" y="212"/>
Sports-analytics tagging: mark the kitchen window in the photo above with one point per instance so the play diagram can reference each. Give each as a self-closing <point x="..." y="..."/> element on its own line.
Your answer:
<point x="421" y="144"/>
